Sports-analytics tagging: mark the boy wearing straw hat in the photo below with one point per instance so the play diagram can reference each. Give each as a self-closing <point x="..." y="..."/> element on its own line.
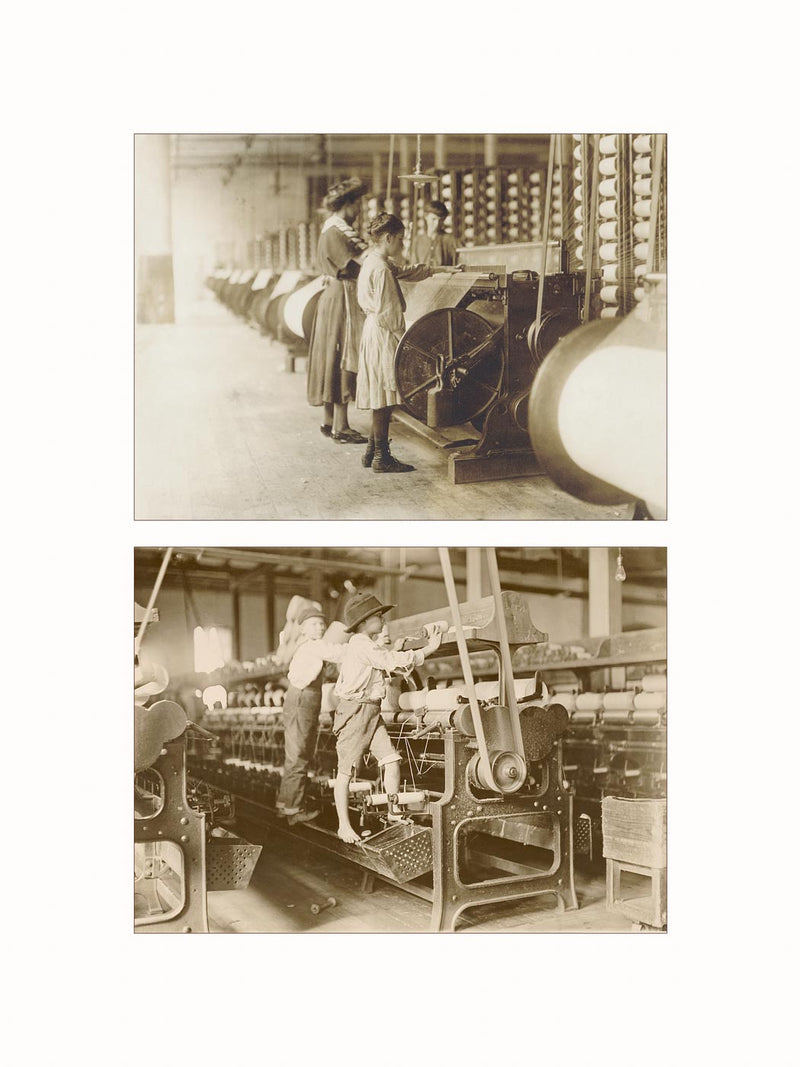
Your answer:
<point x="357" y="724"/>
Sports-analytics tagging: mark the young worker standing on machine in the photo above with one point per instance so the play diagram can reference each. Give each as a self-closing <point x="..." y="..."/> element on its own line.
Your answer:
<point x="301" y="712"/>
<point x="357" y="723"/>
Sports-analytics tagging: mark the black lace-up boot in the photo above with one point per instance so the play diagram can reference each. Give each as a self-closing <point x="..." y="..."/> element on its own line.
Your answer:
<point x="385" y="463"/>
<point x="369" y="455"/>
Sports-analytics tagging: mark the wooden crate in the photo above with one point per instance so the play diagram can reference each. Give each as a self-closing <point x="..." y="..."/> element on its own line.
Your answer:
<point x="650" y="908"/>
<point x="635" y="831"/>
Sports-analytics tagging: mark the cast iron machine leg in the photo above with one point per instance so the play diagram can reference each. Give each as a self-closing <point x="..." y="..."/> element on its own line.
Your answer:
<point x="549" y="813"/>
<point x="184" y="827"/>
<point x="489" y="792"/>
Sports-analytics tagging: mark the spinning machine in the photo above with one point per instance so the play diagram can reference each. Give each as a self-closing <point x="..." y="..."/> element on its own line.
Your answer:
<point x="615" y="692"/>
<point x="181" y="851"/>
<point x="280" y="304"/>
<point x="484" y="813"/>
<point x="474" y="362"/>
<point x="597" y="414"/>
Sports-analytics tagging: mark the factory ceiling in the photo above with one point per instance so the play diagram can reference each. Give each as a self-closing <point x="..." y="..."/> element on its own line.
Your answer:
<point x="550" y="570"/>
<point x="336" y="153"/>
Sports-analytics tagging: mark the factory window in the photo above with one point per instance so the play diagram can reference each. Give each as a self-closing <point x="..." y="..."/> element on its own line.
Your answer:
<point x="213" y="647"/>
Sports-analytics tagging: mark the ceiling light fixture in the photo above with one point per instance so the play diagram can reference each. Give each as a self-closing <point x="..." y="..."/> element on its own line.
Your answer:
<point x="619" y="573"/>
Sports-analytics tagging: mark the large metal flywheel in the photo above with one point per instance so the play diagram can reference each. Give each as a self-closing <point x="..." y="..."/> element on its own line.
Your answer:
<point x="455" y="354"/>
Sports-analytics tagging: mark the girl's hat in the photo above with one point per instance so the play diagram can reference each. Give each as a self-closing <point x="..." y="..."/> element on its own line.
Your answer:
<point x="309" y="613"/>
<point x="361" y="607"/>
<point x="348" y="191"/>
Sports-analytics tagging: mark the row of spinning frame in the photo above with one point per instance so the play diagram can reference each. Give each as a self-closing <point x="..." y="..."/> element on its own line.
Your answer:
<point x="466" y="361"/>
<point x="615" y="692"/>
<point x="618" y="226"/>
<point x="607" y="196"/>
<point x="486" y="205"/>
<point x="607" y="201"/>
<point x="485" y="365"/>
<point x="486" y="813"/>
<point x="615" y="744"/>
<point x="279" y="304"/>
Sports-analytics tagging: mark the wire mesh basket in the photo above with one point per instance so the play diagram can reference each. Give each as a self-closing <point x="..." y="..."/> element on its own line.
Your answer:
<point x="230" y="860"/>
<point x="401" y="852"/>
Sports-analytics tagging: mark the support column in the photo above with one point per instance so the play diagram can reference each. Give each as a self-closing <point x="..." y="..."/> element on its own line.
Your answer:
<point x="440" y="151"/>
<point x="390" y="586"/>
<point x="317" y="579"/>
<point x="474" y="574"/>
<point x="377" y="177"/>
<point x="605" y="593"/>
<point x="270" y="638"/>
<point x="605" y="604"/>
<point x="155" y="286"/>
<point x="490" y="149"/>
<point x="404" y="160"/>
<point x="237" y="622"/>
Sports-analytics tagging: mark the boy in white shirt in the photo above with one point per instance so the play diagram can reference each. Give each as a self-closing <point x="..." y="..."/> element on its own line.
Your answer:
<point x="357" y="723"/>
<point x="301" y="712"/>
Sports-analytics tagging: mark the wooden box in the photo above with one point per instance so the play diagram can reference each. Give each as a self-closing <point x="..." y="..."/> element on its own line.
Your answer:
<point x="635" y="831"/>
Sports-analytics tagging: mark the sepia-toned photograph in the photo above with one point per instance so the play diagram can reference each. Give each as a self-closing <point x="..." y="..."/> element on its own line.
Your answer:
<point x="400" y="326"/>
<point x="400" y="740"/>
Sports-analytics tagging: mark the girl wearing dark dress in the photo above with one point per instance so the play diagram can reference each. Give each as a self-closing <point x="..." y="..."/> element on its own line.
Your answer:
<point x="336" y="333"/>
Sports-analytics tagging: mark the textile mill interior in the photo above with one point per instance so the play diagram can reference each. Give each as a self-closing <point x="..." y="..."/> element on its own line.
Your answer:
<point x="484" y="314"/>
<point x="351" y="740"/>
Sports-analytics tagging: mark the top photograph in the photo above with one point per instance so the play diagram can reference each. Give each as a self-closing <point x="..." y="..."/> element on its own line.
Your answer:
<point x="400" y="326"/>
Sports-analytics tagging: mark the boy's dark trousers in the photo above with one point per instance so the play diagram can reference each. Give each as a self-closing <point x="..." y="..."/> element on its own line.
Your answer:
<point x="300" y="722"/>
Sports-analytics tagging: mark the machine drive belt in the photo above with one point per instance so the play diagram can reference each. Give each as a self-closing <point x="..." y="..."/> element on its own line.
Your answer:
<point x="450" y="585"/>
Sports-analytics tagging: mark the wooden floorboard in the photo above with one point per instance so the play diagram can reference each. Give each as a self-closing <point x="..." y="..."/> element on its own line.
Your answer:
<point x="291" y="875"/>
<point x="223" y="432"/>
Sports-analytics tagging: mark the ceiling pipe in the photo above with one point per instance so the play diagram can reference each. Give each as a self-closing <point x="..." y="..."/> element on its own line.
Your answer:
<point x="309" y="562"/>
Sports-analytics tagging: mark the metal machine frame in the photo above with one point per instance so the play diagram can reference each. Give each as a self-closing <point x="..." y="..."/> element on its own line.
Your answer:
<point x="184" y="827"/>
<point x="517" y="346"/>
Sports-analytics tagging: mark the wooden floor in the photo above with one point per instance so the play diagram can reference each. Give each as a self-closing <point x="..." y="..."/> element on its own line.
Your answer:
<point x="223" y="432"/>
<point x="291" y="875"/>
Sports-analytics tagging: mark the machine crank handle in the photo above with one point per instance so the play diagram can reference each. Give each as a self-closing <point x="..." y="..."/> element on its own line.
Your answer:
<point x="467" y="360"/>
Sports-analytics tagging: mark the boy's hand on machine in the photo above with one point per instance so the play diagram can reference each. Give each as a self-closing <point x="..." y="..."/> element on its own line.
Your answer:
<point x="433" y="644"/>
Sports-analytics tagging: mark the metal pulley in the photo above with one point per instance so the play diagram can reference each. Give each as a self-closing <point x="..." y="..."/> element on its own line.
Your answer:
<point x="555" y="324"/>
<point x="508" y="772"/>
<point x="449" y="366"/>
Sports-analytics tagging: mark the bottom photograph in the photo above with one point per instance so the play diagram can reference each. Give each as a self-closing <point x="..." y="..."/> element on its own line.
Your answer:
<point x="400" y="740"/>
